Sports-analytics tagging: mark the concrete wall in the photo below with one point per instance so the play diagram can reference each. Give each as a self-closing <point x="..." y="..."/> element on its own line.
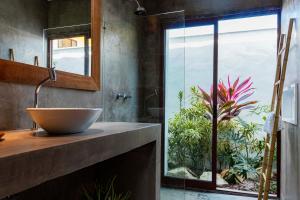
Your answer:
<point x="290" y="172"/>
<point x="120" y="73"/>
<point x="24" y="32"/>
<point x="122" y="36"/>
<point x="209" y="7"/>
<point x="68" y="12"/>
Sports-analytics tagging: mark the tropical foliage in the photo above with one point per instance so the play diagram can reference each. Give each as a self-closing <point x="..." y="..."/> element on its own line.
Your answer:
<point x="239" y="150"/>
<point x="190" y="139"/>
<point x="230" y="98"/>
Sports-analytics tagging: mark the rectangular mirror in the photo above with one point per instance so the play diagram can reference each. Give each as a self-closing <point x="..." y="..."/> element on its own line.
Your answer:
<point x="64" y="34"/>
<point x="68" y="36"/>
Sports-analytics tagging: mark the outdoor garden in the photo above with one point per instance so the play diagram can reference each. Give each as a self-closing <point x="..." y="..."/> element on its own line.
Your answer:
<point x="240" y="143"/>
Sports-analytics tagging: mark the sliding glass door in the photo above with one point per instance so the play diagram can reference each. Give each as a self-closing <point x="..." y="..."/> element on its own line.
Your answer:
<point x="218" y="77"/>
<point x="247" y="65"/>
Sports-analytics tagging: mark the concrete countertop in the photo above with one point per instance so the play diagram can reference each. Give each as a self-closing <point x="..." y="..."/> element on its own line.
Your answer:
<point x="27" y="161"/>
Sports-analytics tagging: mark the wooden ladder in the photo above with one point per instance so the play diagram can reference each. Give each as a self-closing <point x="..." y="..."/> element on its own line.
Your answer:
<point x="271" y="139"/>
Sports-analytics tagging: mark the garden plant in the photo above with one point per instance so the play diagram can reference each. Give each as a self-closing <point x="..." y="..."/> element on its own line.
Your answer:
<point x="239" y="150"/>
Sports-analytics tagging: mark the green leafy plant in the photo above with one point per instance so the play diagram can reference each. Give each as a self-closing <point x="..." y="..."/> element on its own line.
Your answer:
<point x="245" y="151"/>
<point x="104" y="192"/>
<point x="239" y="150"/>
<point x="190" y="138"/>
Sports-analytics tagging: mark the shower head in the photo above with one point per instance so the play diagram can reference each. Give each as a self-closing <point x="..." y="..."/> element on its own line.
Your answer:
<point x="140" y="11"/>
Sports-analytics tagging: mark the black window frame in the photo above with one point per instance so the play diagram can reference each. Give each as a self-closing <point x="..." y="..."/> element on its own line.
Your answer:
<point x="192" y="21"/>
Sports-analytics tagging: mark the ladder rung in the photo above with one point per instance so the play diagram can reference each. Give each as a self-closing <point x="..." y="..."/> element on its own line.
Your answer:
<point x="281" y="51"/>
<point x="264" y="177"/>
<point x="277" y="83"/>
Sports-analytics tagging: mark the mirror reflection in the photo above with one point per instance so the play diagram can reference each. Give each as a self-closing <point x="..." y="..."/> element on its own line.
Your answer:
<point x="47" y="33"/>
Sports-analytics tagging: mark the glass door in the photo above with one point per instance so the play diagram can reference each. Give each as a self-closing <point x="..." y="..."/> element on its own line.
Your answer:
<point x="188" y="122"/>
<point x="247" y="64"/>
<point x="218" y="78"/>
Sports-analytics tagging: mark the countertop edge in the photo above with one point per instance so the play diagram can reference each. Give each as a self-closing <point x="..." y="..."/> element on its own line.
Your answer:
<point x="38" y="166"/>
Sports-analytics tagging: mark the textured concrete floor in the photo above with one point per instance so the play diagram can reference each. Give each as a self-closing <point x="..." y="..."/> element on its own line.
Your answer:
<point x="172" y="194"/>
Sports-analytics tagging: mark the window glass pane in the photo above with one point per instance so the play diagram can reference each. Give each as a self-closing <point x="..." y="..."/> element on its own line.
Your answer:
<point x="72" y="55"/>
<point x="189" y="65"/>
<point x="247" y="49"/>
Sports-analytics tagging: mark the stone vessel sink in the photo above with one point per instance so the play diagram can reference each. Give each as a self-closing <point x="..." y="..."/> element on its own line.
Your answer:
<point x="64" y="120"/>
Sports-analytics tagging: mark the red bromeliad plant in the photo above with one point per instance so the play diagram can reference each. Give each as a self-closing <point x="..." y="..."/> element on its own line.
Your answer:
<point x="230" y="99"/>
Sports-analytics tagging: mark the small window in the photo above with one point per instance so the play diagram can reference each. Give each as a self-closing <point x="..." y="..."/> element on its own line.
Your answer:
<point x="71" y="54"/>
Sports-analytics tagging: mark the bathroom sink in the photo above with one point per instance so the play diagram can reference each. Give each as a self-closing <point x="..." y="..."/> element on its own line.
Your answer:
<point x="64" y="120"/>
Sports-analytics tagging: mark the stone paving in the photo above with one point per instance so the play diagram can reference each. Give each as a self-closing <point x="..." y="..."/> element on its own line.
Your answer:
<point x="174" y="194"/>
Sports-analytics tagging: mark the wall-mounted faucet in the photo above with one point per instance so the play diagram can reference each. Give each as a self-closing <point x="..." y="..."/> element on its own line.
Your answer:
<point x="155" y="93"/>
<point x="51" y="77"/>
<point x="123" y="96"/>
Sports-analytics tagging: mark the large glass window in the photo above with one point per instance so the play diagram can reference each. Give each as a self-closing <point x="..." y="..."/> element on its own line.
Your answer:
<point x="245" y="69"/>
<point x="247" y="51"/>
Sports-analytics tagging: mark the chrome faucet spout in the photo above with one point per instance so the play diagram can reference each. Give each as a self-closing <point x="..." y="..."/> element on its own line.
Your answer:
<point x="52" y="73"/>
<point x="51" y="77"/>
